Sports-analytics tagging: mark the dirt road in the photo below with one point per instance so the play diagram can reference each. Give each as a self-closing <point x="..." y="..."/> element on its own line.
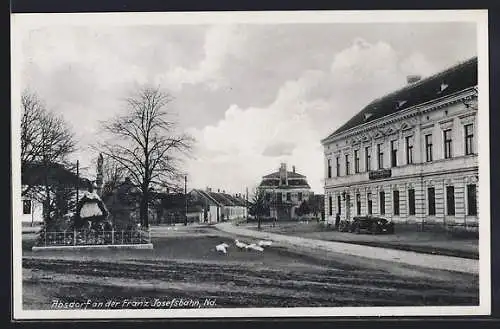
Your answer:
<point x="187" y="266"/>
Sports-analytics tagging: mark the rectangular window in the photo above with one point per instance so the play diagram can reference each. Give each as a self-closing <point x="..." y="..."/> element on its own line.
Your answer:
<point x="368" y="158"/>
<point x="394" y="154"/>
<point x="356" y="161"/>
<point x="347" y="165"/>
<point x="409" y="149"/>
<point x="395" y="198"/>
<point x="26" y="207"/>
<point x="279" y="197"/>
<point x="469" y="139"/>
<point x="380" y="156"/>
<point x="330" y="205"/>
<point x="428" y="148"/>
<point x="288" y="196"/>
<point x="369" y="203"/>
<point x="300" y="196"/>
<point x="382" y="202"/>
<point x="358" y="204"/>
<point x="411" y="202"/>
<point x="337" y="165"/>
<point x="431" y="200"/>
<point x="471" y="200"/>
<point x="450" y="200"/>
<point x="447" y="143"/>
<point x="268" y="196"/>
<point x="339" y="205"/>
<point x="329" y="168"/>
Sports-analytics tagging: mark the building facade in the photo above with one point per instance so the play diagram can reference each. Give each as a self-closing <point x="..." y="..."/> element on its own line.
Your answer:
<point x="220" y="206"/>
<point x="410" y="156"/>
<point x="285" y="191"/>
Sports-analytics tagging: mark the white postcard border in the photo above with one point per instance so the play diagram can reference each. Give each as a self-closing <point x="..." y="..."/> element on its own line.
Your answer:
<point x="22" y="22"/>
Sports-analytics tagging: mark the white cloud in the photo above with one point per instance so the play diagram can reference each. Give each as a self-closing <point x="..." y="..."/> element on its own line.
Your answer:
<point x="220" y="42"/>
<point x="234" y="153"/>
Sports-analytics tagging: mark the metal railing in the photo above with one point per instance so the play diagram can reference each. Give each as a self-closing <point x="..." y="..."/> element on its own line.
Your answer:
<point x="86" y="238"/>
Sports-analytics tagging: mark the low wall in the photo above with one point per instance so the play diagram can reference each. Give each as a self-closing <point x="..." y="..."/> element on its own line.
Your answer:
<point x="87" y="247"/>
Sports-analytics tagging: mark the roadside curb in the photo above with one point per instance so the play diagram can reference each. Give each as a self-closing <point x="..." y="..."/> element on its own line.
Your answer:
<point x="438" y="262"/>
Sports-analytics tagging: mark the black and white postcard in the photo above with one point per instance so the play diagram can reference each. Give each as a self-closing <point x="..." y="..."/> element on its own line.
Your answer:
<point x="250" y="164"/>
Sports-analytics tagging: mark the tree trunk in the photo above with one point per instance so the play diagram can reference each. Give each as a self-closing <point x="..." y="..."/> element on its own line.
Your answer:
<point x="144" y="209"/>
<point x="259" y="220"/>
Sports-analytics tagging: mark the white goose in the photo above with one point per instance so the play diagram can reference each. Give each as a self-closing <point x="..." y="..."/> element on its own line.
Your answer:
<point x="222" y="247"/>
<point x="240" y="245"/>
<point x="253" y="246"/>
<point x="263" y="243"/>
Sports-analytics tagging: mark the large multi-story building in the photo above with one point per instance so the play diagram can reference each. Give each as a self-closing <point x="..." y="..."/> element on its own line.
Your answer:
<point x="411" y="155"/>
<point x="285" y="191"/>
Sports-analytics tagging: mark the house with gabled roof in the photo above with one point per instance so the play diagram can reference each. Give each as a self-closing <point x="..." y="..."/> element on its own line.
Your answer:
<point x="60" y="179"/>
<point x="220" y="206"/>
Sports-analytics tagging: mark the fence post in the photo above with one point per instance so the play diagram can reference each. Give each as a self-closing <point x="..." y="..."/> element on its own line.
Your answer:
<point x="45" y="236"/>
<point x="122" y="236"/>
<point x="74" y="237"/>
<point x="112" y="236"/>
<point x="64" y="237"/>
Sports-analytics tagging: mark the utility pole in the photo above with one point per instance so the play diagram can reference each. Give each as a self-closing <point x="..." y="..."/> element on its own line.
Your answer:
<point x="246" y="202"/>
<point x="77" y="179"/>
<point x="186" y="199"/>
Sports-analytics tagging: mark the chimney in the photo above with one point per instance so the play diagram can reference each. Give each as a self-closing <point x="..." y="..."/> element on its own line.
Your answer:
<point x="283" y="166"/>
<point x="218" y="190"/>
<point x="413" y="78"/>
<point x="209" y="189"/>
<point x="293" y="169"/>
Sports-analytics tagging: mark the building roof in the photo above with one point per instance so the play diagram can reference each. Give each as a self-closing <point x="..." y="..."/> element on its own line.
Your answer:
<point x="445" y="83"/>
<point x="222" y="199"/>
<point x="33" y="174"/>
<point x="290" y="174"/>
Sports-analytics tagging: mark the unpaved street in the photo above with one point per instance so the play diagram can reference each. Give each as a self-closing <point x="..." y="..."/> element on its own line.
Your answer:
<point x="186" y="265"/>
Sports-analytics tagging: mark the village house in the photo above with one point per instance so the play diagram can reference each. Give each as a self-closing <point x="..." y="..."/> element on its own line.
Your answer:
<point x="220" y="206"/>
<point x="64" y="186"/>
<point x="412" y="155"/>
<point x="285" y="191"/>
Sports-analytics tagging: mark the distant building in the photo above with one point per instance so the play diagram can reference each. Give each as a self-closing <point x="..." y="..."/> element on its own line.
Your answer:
<point x="61" y="181"/>
<point x="411" y="155"/>
<point x="285" y="190"/>
<point x="220" y="206"/>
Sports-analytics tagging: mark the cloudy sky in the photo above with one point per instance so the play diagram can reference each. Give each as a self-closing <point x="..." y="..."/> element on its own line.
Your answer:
<point x="252" y="95"/>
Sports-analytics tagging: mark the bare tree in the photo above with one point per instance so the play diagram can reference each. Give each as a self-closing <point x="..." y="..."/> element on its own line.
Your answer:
<point x="145" y="144"/>
<point x="46" y="141"/>
<point x="113" y="174"/>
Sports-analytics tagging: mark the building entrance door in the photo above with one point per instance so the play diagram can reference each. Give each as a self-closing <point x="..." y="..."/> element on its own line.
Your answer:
<point x="284" y="213"/>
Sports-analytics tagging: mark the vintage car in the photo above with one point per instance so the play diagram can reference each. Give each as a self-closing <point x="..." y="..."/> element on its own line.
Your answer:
<point x="371" y="224"/>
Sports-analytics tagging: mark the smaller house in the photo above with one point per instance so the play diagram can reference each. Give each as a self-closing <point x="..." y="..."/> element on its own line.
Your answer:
<point x="172" y="208"/>
<point x="220" y="206"/>
<point x="63" y="184"/>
